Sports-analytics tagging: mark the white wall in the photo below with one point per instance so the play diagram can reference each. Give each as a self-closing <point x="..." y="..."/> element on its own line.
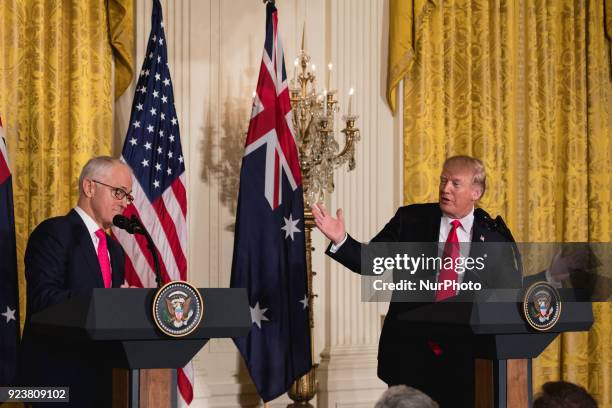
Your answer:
<point x="215" y="51"/>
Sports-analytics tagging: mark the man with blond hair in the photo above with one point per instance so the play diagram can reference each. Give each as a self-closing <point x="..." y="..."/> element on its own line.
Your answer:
<point x="442" y="366"/>
<point x="67" y="255"/>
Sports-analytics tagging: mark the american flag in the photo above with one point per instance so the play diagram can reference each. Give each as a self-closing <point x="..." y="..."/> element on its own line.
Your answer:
<point x="153" y="150"/>
<point x="269" y="249"/>
<point x="9" y="296"/>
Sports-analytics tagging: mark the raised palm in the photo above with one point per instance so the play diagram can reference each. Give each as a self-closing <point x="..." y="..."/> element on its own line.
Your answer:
<point x="332" y="228"/>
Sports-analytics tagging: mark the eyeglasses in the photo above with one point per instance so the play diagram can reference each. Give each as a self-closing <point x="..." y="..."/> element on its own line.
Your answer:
<point x="118" y="192"/>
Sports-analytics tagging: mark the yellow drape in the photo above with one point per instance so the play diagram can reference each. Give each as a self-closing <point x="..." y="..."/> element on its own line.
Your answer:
<point x="56" y="101"/>
<point x="524" y="85"/>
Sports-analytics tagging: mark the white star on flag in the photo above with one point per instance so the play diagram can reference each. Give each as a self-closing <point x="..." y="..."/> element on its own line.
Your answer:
<point x="139" y="106"/>
<point x="257" y="315"/>
<point x="290" y="226"/>
<point x="305" y="301"/>
<point x="10" y="314"/>
<point x="133" y="141"/>
<point x="145" y="163"/>
<point x="136" y="124"/>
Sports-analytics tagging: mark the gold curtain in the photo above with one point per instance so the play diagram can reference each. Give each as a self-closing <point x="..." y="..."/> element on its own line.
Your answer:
<point x="524" y="85"/>
<point x="56" y="101"/>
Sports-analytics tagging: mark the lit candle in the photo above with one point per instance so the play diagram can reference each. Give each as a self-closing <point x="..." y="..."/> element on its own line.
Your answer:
<point x="295" y="65"/>
<point x="325" y="102"/>
<point x="254" y="93"/>
<point x="350" y="101"/>
<point x="313" y="68"/>
<point x="329" y="66"/>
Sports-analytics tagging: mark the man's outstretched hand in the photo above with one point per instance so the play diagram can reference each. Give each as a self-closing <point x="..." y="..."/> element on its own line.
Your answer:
<point x="332" y="228"/>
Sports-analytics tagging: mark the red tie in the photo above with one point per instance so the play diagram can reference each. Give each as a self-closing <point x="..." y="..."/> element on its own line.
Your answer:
<point x="451" y="250"/>
<point x="103" y="258"/>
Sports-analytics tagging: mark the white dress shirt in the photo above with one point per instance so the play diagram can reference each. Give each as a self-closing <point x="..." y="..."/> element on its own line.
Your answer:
<point x="92" y="227"/>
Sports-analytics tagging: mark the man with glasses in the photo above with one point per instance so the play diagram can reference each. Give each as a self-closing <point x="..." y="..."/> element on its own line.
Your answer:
<point x="66" y="255"/>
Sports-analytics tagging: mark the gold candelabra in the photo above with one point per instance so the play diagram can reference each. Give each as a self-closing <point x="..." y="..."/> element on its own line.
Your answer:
<point x="313" y="121"/>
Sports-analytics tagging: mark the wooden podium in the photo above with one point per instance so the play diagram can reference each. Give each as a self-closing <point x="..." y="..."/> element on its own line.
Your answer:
<point x="118" y="324"/>
<point x="499" y="339"/>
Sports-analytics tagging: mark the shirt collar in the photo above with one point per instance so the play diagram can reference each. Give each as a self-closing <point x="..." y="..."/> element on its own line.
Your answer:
<point x="91" y="225"/>
<point x="466" y="222"/>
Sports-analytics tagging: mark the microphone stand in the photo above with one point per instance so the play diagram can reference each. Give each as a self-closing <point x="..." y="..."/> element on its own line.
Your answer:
<point x="140" y="229"/>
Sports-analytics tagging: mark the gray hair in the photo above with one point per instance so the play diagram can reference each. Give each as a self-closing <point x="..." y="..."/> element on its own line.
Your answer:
<point x="472" y="163"/>
<point x="96" y="167"/>
<point x="402" y="396"/>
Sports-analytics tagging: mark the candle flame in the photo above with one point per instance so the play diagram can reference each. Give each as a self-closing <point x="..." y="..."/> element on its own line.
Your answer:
<point x="351" y="91"/>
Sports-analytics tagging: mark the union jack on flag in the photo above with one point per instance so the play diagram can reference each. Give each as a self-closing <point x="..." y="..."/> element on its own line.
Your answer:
<point x="153" y="150"/>
<point x="269" y="251"/>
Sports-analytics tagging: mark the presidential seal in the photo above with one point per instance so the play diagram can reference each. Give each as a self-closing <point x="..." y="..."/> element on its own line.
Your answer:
<point x="541" y="306"/>
<point x="177" y="308"/>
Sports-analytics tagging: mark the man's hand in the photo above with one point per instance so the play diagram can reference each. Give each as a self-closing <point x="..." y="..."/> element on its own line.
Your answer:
<point x="332" y="228"/>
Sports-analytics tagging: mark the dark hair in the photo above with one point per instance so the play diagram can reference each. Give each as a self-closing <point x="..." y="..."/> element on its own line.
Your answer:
<point x="562" y="394"/>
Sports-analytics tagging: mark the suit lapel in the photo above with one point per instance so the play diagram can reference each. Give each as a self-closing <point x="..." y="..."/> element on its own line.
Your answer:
<point x="476" y="249"/>
<point x="115" y="259"/>
<point x="432" y="229"/>
<point x="84" y="246"/>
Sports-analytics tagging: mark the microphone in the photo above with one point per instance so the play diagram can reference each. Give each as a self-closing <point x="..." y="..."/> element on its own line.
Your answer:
<point x="133" y="225"/>
<point x="123" y="223"/>
<point x="500" y="226"/>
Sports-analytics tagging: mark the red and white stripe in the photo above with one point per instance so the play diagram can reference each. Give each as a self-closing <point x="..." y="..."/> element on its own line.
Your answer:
<point x="5" y="170"/>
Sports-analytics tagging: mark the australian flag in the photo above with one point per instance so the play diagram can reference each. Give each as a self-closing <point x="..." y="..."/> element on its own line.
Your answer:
<point x="9" y="297"/>
<point x="269" y="251"/>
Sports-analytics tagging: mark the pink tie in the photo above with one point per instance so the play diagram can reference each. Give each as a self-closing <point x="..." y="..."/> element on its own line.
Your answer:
<point x="103" y="258"/>
<point x="451" y="250"/>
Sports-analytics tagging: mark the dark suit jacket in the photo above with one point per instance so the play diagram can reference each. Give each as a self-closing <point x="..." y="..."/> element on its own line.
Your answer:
<point x="61" y="261"/>
<point x="405" y="357"/>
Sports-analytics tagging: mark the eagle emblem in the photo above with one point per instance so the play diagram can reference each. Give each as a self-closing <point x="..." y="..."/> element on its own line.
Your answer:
<point x="541" y="303"/>
<point x="541" y="306"/>
<point x="178" y="305"/>
<point x="178" y="308"/>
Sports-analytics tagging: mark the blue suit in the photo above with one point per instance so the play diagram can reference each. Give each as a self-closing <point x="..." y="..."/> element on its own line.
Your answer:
<point x="61" y="261"/>
<point x="404" y="355"/>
